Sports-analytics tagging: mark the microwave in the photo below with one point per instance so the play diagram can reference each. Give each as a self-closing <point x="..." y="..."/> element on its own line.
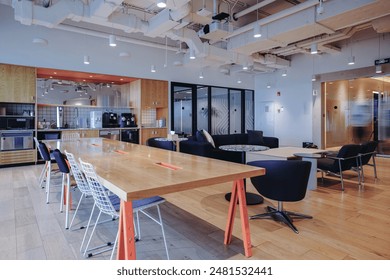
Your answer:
<point x="17" y="123"/>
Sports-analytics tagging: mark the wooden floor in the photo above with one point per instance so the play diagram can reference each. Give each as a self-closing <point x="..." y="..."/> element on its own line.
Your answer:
<point x="354" y="224"/>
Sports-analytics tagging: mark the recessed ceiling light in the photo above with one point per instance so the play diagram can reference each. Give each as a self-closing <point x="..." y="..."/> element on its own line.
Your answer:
<point x="161" y="3"/>
<point x="124" y="54"/>
<point x="40" y="41"/>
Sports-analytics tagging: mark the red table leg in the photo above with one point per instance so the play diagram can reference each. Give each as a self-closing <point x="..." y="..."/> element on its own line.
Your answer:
<point x="126" y="240"/>
<point x="238" y="195"/>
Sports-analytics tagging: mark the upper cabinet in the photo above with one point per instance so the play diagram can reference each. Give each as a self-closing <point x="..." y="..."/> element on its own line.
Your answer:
<point x="17" y="84"/>
<point x="154" y="94"/>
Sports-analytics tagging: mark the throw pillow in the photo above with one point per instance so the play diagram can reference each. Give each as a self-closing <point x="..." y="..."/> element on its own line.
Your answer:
<point x="200" y="137"/>
<point x="208" y="137"/>
<point x="255" y="137"/>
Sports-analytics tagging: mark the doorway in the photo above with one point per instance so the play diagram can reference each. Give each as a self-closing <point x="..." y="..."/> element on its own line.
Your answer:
<point x="357" y="111"/>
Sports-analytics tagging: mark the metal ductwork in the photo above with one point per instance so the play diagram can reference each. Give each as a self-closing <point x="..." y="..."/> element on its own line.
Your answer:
<point x="285" y="33"/>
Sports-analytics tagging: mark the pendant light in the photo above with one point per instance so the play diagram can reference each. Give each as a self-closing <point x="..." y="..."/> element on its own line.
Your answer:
<point x="112" y="40"/>
<point x="257" y="27"/>
<point x="86" y="59"/>
<point x="192" y="53"/>
<point x="313" y="48"/>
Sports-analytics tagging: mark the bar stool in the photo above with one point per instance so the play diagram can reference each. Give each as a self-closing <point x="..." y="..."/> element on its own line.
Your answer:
<point x="45" y="154"/>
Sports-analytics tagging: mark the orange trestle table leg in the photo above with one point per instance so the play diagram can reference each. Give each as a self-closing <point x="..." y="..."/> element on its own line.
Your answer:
<point x="126" y="240"/>
<point x="70" y="197"/>
<point x="238" y="195"/>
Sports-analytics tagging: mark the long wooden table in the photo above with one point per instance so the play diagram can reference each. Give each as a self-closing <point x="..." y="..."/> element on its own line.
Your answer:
<point x="134" y="171"/>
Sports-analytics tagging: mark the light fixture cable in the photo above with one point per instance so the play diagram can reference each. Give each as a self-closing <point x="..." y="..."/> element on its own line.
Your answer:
<point x="257" y="28"/>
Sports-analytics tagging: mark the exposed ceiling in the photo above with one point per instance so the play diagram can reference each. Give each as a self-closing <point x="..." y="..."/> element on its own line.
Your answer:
<point x="219" y="32"/>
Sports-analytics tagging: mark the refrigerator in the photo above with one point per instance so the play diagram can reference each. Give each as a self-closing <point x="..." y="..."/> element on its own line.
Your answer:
<point x="96" y="119"/>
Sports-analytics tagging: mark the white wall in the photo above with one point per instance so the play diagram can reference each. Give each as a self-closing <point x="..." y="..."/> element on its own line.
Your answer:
<point x="66" y="51"/>
<point x="301" y="119"/>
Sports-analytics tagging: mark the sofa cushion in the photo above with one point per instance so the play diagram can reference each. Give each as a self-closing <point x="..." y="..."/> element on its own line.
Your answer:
<point x="208" y="137"/>
<point x="200" y="136"/>
<point x="255" y="137"/>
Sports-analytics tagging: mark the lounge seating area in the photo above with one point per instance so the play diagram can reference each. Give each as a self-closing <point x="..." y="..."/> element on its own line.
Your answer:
<point x="350" y="157"/>
<point x="201" y="146"/>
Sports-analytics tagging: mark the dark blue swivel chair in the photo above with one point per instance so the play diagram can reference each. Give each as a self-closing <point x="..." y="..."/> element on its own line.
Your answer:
<point x="284" y="180"/>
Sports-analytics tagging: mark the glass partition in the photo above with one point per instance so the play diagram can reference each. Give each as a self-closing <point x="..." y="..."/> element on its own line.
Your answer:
<point x="182" y="110"/>
<point x="249" y="110"/>
<point x="216" y="109"/>
<point x="235" y="111"/>
<point x="219" y="111"/>
<point x="358" y="111"/>
<point x="202" y="107"/>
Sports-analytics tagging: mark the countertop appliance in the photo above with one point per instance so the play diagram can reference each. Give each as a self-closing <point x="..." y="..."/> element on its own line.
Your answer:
<point x="109" y="134"/>
<point x="130" y="135"/>
<point x="60" y="117"/>
<point x="16" y="140"/>
<point x="110" y="119"/>
<point x="96" y="119"/>
<point x="17" y="122"/>
<point x="127" y="120"/>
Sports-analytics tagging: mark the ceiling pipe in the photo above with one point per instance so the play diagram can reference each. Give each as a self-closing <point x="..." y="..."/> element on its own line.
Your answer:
<point x="285" y="13"/>
<point x="302" y="47"/>
<point x="118" y="38"/>
<point x="236" y="16"/>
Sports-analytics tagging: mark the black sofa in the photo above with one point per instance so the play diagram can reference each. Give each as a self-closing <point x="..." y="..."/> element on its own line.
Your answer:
<point x="204" y="148"/>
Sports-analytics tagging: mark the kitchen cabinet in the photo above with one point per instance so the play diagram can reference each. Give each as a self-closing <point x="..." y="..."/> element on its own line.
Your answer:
<point x="150" y="101"/>
<point x="154" y="94"/>
<point x="147" y="133"/>
<point x="17" y="84"/>
<point x="16" y="157"/>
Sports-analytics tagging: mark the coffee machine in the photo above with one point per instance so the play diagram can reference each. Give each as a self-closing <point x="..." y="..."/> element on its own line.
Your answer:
<point x="110" y="119"/>
<point x="127" y="120"/>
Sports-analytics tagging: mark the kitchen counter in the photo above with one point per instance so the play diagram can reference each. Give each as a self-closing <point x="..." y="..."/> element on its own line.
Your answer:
<point x="87" y="128"/>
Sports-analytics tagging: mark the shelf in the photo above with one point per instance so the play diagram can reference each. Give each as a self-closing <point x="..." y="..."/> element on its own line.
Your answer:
<point x="83" y="106"/>
<point x="16" y="116"/>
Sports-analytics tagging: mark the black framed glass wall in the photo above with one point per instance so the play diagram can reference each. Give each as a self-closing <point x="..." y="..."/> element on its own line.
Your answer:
<point x="218" y="110"/>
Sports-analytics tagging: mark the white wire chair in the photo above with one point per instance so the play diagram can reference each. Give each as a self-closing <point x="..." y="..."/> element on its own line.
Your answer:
<point x="70" y="136"/>
<point x="81" y="182"/>
<point x="110" y="204"/>
<point x="42" y="176"/>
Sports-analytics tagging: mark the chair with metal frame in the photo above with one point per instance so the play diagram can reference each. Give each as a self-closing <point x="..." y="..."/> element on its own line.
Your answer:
<point x="44" y="169"/>
<point x="81" y="183"/>
<point x="47" y="170"/>
<point x="110" y="205"/>
<point x="368" y="152"/>
<point x="346" y="158"/>
<point x="65" y="186"/>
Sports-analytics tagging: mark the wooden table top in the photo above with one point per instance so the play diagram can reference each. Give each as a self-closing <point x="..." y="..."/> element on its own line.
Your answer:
<point x="134" y="171"/>
<point x="288" y="152"/>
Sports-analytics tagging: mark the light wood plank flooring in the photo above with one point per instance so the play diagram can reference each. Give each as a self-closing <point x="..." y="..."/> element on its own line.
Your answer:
<point x="354" y="224"/>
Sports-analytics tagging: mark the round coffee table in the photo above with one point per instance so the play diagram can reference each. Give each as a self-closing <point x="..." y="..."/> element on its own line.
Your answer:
<point x="243" y="148"/>
<point x="251" y="198"/>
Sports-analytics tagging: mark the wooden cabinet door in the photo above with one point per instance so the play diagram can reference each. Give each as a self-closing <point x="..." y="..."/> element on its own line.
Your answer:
<point x="17" y="84"/>
<point x="154" y="94"/>
<point x="161" y="91"/>
<point x="90" y="133"/>
<point x="147" y="133"/>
